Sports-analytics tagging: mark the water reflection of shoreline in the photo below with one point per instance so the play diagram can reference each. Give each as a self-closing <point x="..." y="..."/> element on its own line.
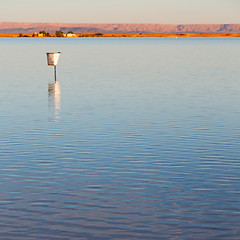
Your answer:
<point x="54" y="98"/>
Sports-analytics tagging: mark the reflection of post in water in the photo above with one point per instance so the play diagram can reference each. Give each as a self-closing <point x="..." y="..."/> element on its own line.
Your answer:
<point x="54" y="97"/>
<point x="55" y="73"/>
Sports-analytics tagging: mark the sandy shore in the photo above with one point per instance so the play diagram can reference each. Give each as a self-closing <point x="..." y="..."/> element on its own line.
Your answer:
<point x="131" y="35"/>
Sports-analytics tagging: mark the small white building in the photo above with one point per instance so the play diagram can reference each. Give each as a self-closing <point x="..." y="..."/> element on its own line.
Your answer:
<point x="71" y="35"/>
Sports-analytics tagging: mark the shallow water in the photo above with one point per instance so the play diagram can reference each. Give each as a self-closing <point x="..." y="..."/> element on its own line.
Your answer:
<point x="138" y="139"/>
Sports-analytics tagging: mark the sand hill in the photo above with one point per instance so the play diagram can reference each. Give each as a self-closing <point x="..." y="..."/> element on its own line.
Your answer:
<point x="17" y="27"/>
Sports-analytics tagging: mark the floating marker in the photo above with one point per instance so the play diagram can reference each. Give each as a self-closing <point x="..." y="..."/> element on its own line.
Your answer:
<point x="52" y="60"/>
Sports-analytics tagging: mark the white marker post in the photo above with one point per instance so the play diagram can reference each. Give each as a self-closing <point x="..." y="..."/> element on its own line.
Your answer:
<point x="52" y="60"/>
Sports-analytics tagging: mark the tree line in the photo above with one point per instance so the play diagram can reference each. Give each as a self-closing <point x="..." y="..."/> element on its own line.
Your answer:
<point x="43" y="33"/>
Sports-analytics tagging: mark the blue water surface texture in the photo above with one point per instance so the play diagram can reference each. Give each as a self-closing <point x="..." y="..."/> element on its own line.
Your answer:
<point x="139" y="138"/>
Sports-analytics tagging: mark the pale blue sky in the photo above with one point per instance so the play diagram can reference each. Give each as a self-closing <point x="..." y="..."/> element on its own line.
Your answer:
<point x="121" y="11"/>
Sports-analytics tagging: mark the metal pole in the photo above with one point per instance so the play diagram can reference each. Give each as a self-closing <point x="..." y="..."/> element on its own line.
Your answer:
<point x="55" y="73"/>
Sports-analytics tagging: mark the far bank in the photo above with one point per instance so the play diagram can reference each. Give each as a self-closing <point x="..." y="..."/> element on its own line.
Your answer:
<point x="96" y="34"/>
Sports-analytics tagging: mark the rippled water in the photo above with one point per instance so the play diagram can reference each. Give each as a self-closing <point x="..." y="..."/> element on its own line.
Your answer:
<point x="138" y="139"/>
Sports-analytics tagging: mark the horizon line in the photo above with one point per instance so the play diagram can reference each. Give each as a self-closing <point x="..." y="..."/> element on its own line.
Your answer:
<point x="122" y="23"/>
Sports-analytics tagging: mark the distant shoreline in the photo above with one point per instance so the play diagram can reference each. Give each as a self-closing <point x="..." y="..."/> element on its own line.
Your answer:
<point x="117" y="28"/>
<point x="94" y="34"/>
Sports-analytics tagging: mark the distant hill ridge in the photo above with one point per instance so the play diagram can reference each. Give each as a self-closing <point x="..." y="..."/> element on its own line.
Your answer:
<point x="18" y="27"/>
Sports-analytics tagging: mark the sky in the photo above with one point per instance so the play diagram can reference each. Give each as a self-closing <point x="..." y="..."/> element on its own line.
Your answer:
<point x="121" y="11"/>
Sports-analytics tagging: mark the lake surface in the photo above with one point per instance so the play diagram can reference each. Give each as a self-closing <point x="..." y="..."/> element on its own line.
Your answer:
<point x="138" y="139"/>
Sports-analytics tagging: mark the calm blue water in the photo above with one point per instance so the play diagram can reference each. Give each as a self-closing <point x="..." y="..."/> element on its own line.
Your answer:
<point x="138" y="139"/>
